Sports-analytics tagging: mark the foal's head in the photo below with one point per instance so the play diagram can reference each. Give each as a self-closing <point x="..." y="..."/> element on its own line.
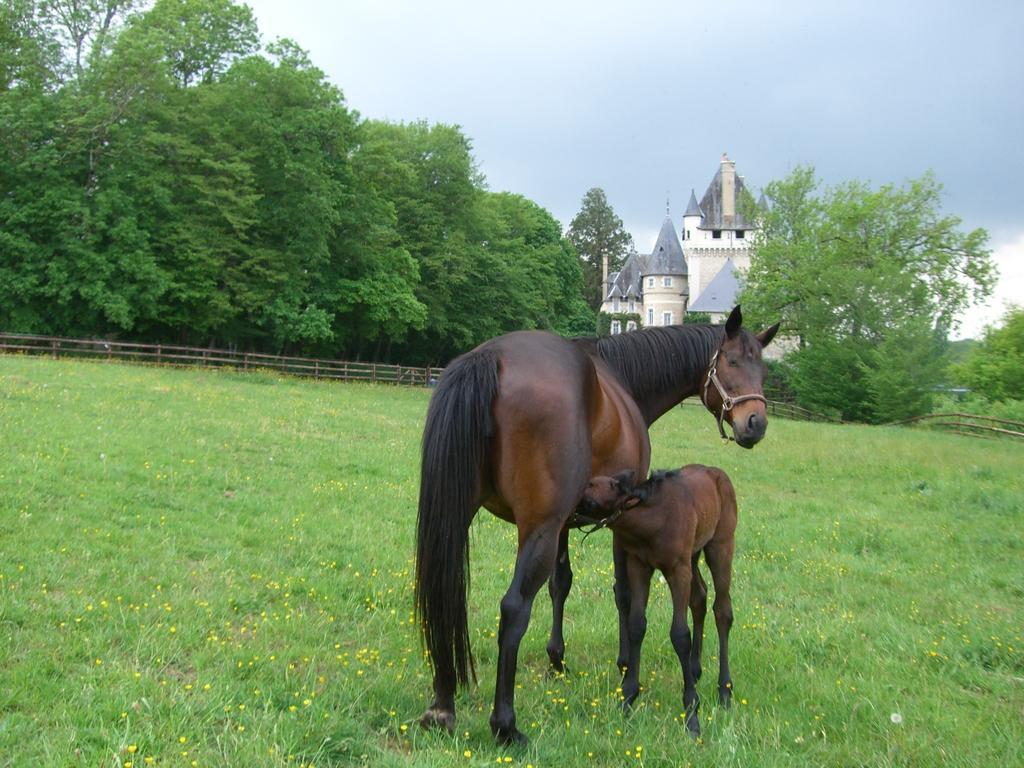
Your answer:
<point x="732" y="388"/>
<point x="608" y="495"/>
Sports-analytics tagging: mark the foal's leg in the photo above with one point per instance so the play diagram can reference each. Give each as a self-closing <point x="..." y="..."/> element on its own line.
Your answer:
<point x="699" y="609"/>
<point x="537" y="551"/>
<point x="622" y="601"/>
<point x="680" y="583"/>
<point x="639" y="587"/>
<point x="719" y="558"/>
<point x="558" y="587"/>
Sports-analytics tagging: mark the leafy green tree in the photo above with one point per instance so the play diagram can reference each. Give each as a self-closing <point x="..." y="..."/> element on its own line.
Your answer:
<point x="869" y="282"/>
<point x="600" y="240"/>
<point x="994" y="368"/>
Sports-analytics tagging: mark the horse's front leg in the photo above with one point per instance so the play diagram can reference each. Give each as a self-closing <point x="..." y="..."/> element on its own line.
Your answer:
<point x="538" y="549"/>
<point x="679" y="583"/>
<point x="640" y="587"/>
<point x="622" y="601"/>
<point x="558" y="587"/>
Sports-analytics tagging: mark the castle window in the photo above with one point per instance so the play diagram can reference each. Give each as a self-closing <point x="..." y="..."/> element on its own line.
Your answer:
<point x="666" y="282"/>
<point x="739" y="234"/>
<point x="650" y="282"/>
<point x="632" y="306"/>
<point x="687" y="234"/>
<point x="631" y="325"/>
<point x="616" y="327"/>
<point x="615" y="304"/>
<point x="716" y="234"/>
<point x="650" y="316"/>
<point x="666" y="318"/>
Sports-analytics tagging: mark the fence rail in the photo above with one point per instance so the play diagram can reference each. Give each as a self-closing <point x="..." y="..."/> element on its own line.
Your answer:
<point x="169" y="354"/>
<point x="342" y="370"/>
<point x="968" y="424"/>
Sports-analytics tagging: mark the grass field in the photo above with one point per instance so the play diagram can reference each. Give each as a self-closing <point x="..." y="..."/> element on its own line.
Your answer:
<point x="203" y="568"/>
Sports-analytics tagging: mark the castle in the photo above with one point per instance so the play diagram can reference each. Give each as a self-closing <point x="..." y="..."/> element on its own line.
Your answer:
<point x="700" y="272"/>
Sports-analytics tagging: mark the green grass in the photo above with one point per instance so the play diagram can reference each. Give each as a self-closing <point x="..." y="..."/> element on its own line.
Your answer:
<point x="206" y="568"/>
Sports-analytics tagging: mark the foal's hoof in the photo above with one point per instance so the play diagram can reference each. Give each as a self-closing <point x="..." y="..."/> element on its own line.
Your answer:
<point x="438" y="718"/>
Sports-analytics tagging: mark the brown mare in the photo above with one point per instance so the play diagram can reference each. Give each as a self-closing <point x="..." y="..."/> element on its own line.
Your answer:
<point x="519" y="425"/>
<point x="665" y="523"/>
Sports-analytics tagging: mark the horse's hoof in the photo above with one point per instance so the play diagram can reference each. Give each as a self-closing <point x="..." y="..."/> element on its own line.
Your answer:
<point x="725" y="697"/>
<point x="510" y="737"/>
<point x="557" y="668"/>
<point x="438" y="718"/>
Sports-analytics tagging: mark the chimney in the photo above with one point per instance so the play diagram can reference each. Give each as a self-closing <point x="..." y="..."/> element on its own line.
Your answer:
<point x="728" y="171"/>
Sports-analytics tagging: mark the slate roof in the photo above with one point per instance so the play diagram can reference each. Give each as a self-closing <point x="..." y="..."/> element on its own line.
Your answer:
<point x="692" y="208"/>
<point x="721" y="293"/>
<point x="711" y="205"/>
<point x="667" y="257"/>
<point x="626" y="282"/>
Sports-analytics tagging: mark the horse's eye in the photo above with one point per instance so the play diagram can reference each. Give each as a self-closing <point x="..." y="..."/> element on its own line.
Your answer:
<point x="732" y="360"/>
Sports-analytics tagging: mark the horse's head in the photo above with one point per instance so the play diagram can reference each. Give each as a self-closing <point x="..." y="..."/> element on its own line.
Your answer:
<point x="607" y="495"/>
<point x="732" y="388"/>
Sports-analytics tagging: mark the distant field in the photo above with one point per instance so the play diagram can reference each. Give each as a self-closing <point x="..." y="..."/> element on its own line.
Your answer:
<point x="203" y="568"/>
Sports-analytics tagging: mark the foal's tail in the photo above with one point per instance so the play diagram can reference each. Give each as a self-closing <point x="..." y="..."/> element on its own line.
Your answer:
<point x="455" y="453"/>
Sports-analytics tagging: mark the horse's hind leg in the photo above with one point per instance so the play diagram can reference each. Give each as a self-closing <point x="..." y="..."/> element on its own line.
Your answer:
<point x="534" y="563"/>
<point x="699" y="609"/>
<point x="558" y="587"/>
<point x="719" y="558"/>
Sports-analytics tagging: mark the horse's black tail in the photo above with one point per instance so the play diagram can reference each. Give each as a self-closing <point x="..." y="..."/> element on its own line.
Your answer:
<point x="455" y="452"/>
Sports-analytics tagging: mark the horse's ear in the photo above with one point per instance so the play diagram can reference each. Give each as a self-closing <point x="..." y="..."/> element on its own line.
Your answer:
<point x="732" y="325"/>
<point x="766" y="336"/>
<point x="624" y="480"/>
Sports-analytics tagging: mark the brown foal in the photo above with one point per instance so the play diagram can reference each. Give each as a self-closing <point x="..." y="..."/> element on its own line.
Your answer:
<point x="665" y="523"/>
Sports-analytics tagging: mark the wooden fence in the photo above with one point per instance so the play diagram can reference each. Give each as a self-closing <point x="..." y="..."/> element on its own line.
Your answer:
<point x="340" y="370"/>
<point x="168" y="354"/>
<point x="968" y="424"/>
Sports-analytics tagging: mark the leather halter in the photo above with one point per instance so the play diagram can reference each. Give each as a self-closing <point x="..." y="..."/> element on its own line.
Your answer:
<point x="728" y="401"/>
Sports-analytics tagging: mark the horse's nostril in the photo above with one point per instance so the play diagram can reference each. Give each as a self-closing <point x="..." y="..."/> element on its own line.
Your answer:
<point x="752" y="422"/>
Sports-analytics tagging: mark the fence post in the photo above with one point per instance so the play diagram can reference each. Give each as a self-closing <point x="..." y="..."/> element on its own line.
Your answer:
<point x="373" y="372"/>
<point x="54" y="347"/>
<point x="316" y="370"/>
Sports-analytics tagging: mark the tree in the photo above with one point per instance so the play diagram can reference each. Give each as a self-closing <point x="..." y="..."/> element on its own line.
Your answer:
<point x="994" y="368"/>
<point x="601" y="242"/>
<point x="869" y="282"/>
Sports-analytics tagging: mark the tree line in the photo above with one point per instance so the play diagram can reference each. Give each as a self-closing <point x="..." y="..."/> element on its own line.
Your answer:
<point x="162" y="177"/>
<point x="165" y="178"/>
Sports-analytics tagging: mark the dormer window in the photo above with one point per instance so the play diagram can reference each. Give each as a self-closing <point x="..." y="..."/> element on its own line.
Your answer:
<point x="716" y="234"/>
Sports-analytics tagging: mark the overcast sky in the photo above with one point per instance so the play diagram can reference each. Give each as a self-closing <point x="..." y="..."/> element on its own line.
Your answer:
<point x="642" y="98"/>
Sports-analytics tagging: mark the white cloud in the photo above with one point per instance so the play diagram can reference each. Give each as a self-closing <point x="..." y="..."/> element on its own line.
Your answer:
<point x="1008" y="255"/>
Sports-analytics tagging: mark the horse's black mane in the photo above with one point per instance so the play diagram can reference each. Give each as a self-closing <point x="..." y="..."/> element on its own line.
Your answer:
<point x="652" y="360"/>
